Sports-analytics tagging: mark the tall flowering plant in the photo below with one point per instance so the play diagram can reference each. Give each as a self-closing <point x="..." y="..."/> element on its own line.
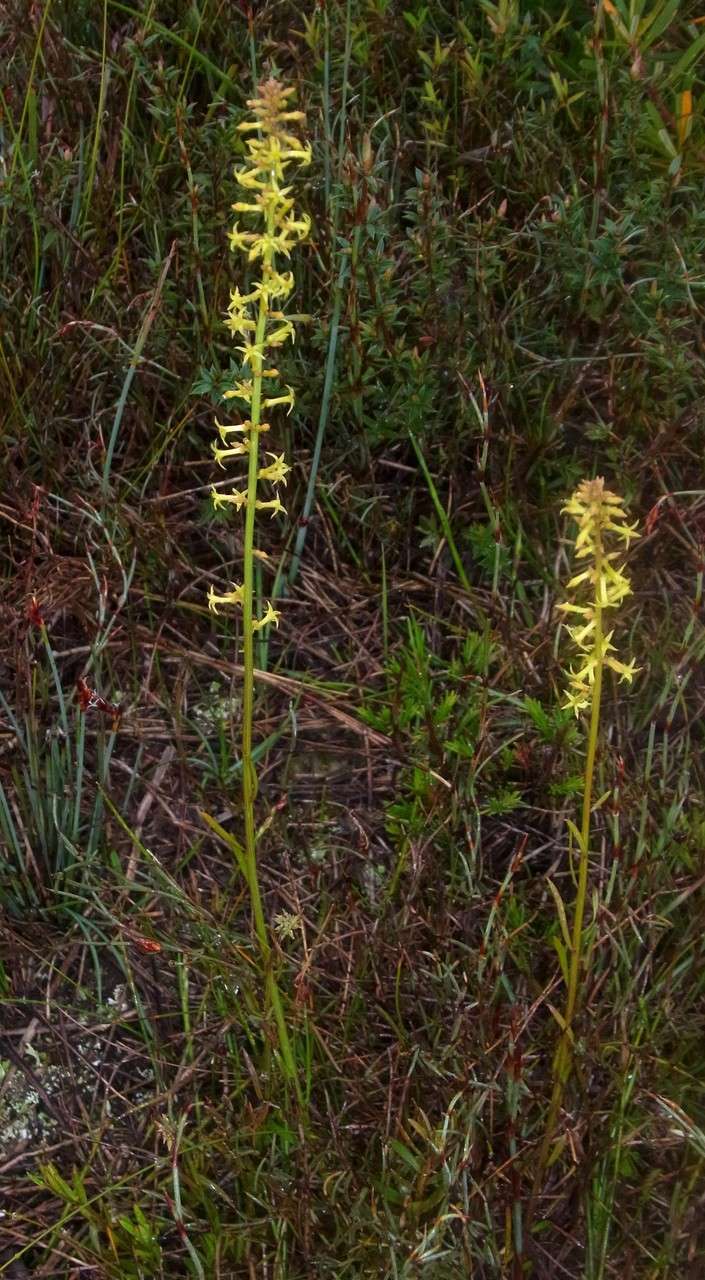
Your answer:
<point x="599" y="587"/>
<point x="256" y="319"/>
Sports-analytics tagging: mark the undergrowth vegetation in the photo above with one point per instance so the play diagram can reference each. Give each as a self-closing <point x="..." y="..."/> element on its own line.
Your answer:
<point x="499" y="298"/>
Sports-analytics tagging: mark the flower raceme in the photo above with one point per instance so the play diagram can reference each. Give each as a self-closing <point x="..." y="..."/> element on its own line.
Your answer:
<point x="601" y="519"/>
<point x="260" y="327"/>
<point x="255" y="317"/>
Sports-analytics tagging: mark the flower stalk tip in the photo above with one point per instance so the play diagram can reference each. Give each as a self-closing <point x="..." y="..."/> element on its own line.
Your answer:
<point x="270" y="229"/>
<point x="601" y="519"/>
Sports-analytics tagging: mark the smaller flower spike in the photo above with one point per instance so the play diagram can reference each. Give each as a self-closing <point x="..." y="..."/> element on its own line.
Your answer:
<point x="600" y="516"/>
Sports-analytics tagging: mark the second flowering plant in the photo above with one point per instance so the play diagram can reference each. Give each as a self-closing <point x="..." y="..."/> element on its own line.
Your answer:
<point x="600" y="586"/>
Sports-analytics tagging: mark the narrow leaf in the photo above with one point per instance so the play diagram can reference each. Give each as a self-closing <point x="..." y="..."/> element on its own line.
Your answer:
<point x="560" y="908"/>
<point x="233" y="844"/>
<point x="577" y="836"/>
<point x="562" y="957"/>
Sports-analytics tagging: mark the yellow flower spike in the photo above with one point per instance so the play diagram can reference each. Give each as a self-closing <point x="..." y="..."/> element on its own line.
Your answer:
<point x="600" y="514"/>
<point x="272" y="155"/>
<point x="266" y="201"/>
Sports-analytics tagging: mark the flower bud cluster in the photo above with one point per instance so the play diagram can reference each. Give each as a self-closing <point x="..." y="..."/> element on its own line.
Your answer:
<point x="255" y="317"/>
<point x="601" y="518"/>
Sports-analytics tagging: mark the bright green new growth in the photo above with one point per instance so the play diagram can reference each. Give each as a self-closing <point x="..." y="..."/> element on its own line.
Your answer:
<point x="256" y="319"/>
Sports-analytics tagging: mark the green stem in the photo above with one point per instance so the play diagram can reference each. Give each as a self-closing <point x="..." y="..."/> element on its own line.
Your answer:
<point x="563" y="1060"/>
<point x="249" y="777"/>
<point x="581" y="895"/>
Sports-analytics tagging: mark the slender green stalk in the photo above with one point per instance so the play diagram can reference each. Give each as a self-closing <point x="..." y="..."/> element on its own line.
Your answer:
<point x="574" y="971"/>
<point x="563" y="1059"/>
<point x="249" y="778"/>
